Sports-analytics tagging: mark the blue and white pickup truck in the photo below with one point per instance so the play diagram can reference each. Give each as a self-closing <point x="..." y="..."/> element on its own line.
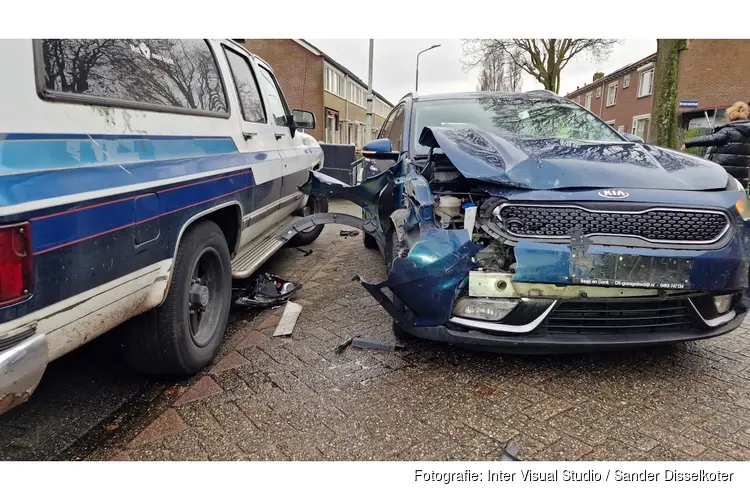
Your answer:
<point x="138" y="178"/>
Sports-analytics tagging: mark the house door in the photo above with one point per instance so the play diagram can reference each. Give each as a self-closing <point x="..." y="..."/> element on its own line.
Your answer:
<point x="640" y="126"/>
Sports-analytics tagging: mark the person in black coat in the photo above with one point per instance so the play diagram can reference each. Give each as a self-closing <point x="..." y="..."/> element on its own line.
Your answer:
<point x="729" y="145"/>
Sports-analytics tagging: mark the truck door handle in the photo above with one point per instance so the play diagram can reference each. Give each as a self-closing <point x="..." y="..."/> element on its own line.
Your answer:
<point x="249" y="135"/>
<point x="279" y="136"/>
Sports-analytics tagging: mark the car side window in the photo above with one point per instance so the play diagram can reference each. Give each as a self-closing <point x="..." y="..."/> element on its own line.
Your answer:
<point x="176" y="75"/>
<point x="396" y="134"/>
<point x="277" y="109"/>
<point x="247" y="87"/>
<point x="386" y="130"/>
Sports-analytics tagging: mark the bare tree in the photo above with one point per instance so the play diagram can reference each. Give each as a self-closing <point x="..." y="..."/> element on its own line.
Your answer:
<point x="499" y="73"/>
<point x="542" y="58"/>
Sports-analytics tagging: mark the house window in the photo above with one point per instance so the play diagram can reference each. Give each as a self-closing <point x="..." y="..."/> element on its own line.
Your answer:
<point x="330" y="129"/>
<point x="598" y="92"/>
<point x="645" y="83"/>
<point x="621" y="129"/>
<point x="334" y="82"/>
<point x="626" y="82"/>
<point x="588" y="101"/>
<point x="578" y="100"/>
<point x="640" y="126"/>
<point x="611" y="94"/>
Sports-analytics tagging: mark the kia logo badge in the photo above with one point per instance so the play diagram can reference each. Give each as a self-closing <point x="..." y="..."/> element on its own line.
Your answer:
<point x="613" y="193"/>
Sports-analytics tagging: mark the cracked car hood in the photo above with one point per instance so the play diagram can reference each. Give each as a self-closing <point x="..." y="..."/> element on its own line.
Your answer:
<point x="570" y="163"/>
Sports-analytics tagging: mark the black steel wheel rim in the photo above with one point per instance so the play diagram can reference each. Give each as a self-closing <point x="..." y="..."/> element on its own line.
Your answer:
<point x="205" y="296"/>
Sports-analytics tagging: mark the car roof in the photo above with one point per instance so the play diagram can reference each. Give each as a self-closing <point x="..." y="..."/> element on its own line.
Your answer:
<point x="479" y="94"/>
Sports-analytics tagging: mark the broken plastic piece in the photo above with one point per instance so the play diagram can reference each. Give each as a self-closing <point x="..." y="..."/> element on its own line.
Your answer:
<point x="340" y="348"/>
<point x="267" y="291"/>
<point x="306" y="253"/>
<point x="375" y="344"/>
<point x="344" y="232"/>
<point x="510" y="452"/>
<point x="288" y="320"/>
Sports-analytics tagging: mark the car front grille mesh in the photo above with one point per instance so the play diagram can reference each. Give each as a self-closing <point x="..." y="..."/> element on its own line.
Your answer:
<point x="588" y="317"/>
<point x="658" y="225"/>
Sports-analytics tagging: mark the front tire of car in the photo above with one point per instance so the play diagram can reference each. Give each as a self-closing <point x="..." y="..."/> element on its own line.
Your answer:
<point x="303" y="238"/>
<point x="369" y="241"/>
<point x="182" y="336"/>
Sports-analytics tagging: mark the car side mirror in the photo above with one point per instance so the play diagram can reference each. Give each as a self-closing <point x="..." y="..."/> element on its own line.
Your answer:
<point x="379" y="148"/>
<point x="303" y="119"/>
<point x="633" y="138"/>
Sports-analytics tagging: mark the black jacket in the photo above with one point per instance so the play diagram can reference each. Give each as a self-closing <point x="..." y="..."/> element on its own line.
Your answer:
<point x="729" y="146"/>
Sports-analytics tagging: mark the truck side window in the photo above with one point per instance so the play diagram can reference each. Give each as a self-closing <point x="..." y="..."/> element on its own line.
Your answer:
<point x="396" y="133"/>
<point x="386" y="130"/>
<point x="179" y="74"/>
<point x="247" y="87"/>
<point x="276" y="107"/>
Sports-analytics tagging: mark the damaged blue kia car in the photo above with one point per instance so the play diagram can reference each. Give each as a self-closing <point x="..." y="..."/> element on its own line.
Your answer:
<point x="522" y="222"/>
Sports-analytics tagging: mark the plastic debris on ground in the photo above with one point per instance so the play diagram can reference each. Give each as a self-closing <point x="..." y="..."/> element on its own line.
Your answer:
<point x="288" y="320"/>
<point x="266" y="291"/>
<point x="510" y="452"/>
<point x="345" y="232"/>
<point x="361" y="343"/>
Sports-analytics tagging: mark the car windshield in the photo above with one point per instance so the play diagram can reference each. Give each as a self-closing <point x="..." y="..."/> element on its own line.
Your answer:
<point x="512" y="117"/>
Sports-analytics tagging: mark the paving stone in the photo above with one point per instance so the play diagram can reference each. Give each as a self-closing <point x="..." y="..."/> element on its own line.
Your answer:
<point x="203" y="388"/>
<point x="228" y="362"/>
<point x="674" y="441"/>
<point x="166" y="424"/>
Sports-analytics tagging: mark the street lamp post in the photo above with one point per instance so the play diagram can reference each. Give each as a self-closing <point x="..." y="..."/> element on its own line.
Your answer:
<point x="416" y="86"/>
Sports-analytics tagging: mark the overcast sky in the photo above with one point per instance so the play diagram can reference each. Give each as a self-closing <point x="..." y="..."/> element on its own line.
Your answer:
<point x="440" y="70"/>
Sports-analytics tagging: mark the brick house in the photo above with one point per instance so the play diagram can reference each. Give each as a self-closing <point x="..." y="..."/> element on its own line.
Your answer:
<point x="713" y="75"/>
<point x="314" y="81"/>
<point x="622" y="98"/>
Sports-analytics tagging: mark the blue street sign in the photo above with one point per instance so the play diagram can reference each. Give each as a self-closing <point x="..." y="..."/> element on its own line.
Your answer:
<point x="688" y="104"/>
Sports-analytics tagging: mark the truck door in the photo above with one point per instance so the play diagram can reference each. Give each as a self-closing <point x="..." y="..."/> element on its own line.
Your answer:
<point x="259" y="142"/>
<point x="294" y="169"/>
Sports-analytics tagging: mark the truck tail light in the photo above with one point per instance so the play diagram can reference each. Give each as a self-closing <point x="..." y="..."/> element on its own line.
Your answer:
<point x="16" y="270"/>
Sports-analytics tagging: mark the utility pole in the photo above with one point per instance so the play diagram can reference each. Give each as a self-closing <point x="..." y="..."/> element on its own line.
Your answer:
<point x="368" y="121"/>
<point x="416" y="84"/>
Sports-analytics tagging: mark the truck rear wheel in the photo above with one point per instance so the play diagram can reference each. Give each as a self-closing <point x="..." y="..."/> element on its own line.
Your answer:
<point x="182" y="336"/>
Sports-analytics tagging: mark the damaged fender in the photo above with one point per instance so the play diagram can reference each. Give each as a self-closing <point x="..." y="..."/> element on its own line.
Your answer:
<point x="426" y="278"/>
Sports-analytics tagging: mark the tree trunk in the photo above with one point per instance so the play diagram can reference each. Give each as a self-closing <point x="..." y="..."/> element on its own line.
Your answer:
<point x="663" y="124"/>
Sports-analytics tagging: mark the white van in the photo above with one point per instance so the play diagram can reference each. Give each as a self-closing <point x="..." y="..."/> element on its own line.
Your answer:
<point x="138" y="178"/>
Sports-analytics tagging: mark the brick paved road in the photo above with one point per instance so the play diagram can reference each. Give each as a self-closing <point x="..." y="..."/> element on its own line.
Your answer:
<point x="295" y="399"/>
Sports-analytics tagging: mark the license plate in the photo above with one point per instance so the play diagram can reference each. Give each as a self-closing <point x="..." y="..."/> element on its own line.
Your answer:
<point x="631" y="271"/>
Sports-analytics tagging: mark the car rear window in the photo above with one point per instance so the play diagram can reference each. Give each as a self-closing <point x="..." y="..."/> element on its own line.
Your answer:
<point x="176" y="74"/>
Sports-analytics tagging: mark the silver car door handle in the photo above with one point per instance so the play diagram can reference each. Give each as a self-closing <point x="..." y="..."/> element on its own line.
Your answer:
<point x="249" y="135"/>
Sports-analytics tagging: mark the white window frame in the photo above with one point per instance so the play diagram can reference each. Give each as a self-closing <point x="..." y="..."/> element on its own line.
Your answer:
<point x="598" y="92"/>
<point x="621" y="129"/>
<point x="612" y="93"/>
<point x="589" y="98"/>
<point x="334" y="81"/>
<point x="610" y="122"/>
<point x="651" y="82"/>
<point x="638" y="118"/>
<point x="626" y="81"/>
